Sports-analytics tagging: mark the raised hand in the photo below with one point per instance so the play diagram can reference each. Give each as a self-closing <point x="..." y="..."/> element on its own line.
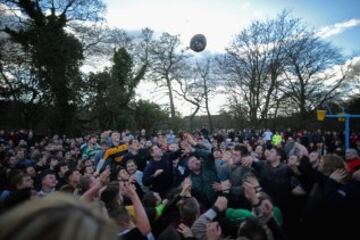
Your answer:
<point x="221" y="203"/>
<point x="186" y="188"/>
<point x="253" y="181"/>
<point x="132" y="179"/>
<point x="250" y="193"/>
<point x="158" y="172"/>
<point x="213" y="231"/>
<point x="338" y="175"/>
<point x="265" y="210"/>
<point x="185" y="231"/>
<point x="128" y="189"/>
<point x="246" y="161"/>
<point x="217" y="187"/>
<point x="105" y="177"/>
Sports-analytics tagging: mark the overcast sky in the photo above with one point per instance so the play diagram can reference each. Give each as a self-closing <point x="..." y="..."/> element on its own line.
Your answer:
<point x="338" y="21"/>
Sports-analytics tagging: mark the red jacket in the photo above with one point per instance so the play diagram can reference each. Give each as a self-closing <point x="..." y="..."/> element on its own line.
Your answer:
<point x="353" y="164"/>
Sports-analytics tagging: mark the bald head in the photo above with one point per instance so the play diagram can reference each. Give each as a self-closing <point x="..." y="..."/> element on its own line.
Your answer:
<point x="351" y="154"/>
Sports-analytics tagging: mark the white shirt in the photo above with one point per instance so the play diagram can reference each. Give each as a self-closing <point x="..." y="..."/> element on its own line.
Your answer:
<point x="267" y="135"/>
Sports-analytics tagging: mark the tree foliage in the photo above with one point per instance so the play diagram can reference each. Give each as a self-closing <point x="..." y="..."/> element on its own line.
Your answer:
<point x="149" y="115"/>
<point x="113" y="89"/>
<point x="56" y="54"/>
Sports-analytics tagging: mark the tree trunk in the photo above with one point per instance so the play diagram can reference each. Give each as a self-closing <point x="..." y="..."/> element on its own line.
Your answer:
<point x="206" y="92"/>
<point x="192" y="117"/>
<point x="302" y="101"/>
<point x="171" y="98"/>
<point x="211" y="126"/>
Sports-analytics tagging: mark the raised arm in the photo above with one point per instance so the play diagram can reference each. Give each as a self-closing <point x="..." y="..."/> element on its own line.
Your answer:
<point x="93" y="192"/>
<point x="199" y="228"/>
<point x="142" y="221"/>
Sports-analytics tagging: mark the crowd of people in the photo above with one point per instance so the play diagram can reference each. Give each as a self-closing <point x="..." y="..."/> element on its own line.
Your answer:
<point x="188" y="185"/>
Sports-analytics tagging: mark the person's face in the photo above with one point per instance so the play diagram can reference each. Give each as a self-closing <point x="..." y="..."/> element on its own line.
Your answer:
<point x="143" y="132"/>
<point x="27" y="182"/>
<point x="227" y="155"/>
<point x="123" y="175"/>
<point x="259" y="151"/>
<point x="148" y="144"/>
<point x="76" y="176"/>
<point x="53" y="162"/>
<point x="60" y="154"/>
<point x="104" y="147"/>
<point x="156" y="152"/>
<point x="163" y="144"/>
<point x="68" y="156"/>
<point x="175" y="162"/>
<point x="64" y="169"/>
<point x="73" y="152"/>
<point x="93" y="140"/>
<point x="22" y="143"/>
<point x="194" y="164"/>
<point x="115" y="138"/>
<point x="79" y="166"/>
<point x="31" y="171"/>
<point x="272" y="156"/>
<point x="77" y="152"/>
<point x="349" y="155"/>
<point x="49" y="181"/>
<point x="236" y="157"/>
<point x="20" y="154"/>
<point x="155" y="139"/>
<point x="217" y="154"/>
<point x="13" y="161"/>
<point x="88" y="163"/>
<point x="80" y="140"/>
<point x="89" y="170"/>
<point x="293" y="158"/>
<point x="135" y="145"/>
<point x="314" y="158"/>
<point x="173" y="147"/>
<point x="126" y="138"/>
<point x="131" y="167"/>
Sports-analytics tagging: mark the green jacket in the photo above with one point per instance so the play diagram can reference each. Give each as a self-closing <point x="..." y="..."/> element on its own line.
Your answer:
<point x="202" y="183"/>
<point x="276" y="139"/>
<point x="240" y="214"/>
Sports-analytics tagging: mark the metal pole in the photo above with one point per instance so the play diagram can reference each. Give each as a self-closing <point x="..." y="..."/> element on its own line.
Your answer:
<point x="347" y="131"/>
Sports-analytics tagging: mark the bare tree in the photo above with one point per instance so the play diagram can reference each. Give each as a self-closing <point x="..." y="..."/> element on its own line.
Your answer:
<point x="255" y="60"/>
<point x="203" y="69"/>
<point x="191" y="91"/>
<point x="309" y="78"/>
<point x="167" y="64"/>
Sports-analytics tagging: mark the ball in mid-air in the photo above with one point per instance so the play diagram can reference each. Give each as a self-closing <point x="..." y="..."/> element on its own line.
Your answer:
<point x="198" y="42"/>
